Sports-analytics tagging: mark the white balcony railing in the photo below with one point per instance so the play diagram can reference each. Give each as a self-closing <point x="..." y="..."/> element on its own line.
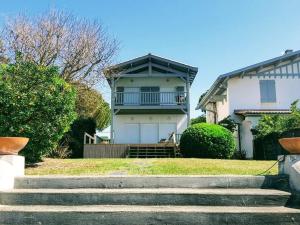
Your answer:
<point x="150" y="98"/>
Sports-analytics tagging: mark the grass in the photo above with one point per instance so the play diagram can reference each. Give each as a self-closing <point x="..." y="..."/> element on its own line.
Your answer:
<point x="177" y="166"/>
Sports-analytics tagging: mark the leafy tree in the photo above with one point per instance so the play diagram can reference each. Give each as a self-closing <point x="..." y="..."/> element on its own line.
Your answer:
<point x="199" y="119"/>
<point x="272" y="127"/>
<point x="93" y="113"/>
<point x="35" y="103"/>
<point x="279" y="123"/>
<point x="90" y="104"/>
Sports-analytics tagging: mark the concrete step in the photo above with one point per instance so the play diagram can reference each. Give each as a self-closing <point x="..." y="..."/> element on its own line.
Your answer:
<point x="146" y="196"/>
<point x="137" y="215"/>
<point x="69" y="182"/>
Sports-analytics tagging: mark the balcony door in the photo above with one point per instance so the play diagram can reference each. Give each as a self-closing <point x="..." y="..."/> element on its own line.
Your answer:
<point x="150" y="96"/>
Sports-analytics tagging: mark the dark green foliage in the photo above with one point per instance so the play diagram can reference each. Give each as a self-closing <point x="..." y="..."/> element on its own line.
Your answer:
<point x="228" y="123"/>
<point x="267" y="147"/>
<point x="273" y="127"/>
<point x="90" y="103"/>
<point x="76" y="134"/>
<point x="35" y="103"/>
<point x="279" y="123"/>
<point x="207" y="141"/>
<point x="199" y="119"/>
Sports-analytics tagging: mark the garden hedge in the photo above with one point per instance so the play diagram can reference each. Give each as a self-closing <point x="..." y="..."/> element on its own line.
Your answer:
<point x="205" y="140"/>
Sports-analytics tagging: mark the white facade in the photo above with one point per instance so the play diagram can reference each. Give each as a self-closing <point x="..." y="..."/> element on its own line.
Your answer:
<point x="150" y="100"/>
<point x="147" y="129"/>
<point x="240" y="91"/>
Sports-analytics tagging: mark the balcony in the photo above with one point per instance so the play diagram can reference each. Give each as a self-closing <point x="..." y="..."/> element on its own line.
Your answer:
<point x="150" y="98"/>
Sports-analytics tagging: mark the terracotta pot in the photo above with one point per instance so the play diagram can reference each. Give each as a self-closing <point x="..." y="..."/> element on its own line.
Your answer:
<point x="12" y="145"/>
<point x="292" y="145"/>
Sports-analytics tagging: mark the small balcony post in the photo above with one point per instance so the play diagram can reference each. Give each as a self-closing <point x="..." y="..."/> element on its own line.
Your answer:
<point x="188" y="98"/>
<point x="112" y="110"/>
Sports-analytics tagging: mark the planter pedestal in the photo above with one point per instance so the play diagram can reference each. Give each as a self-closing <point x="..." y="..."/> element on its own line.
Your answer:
<point x="290" y="165"/>
<point x="11" y="166"/>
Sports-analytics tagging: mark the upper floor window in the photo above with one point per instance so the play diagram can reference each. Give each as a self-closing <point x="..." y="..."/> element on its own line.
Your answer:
<point x="267" y="91"/>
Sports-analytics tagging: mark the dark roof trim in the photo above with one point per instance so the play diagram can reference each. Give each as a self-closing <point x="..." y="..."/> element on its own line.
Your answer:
<point x="226" y="76"/>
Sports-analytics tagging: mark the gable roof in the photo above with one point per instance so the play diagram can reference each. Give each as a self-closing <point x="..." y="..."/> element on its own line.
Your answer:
<point x="159" y="61"/>
<point x="224" y="77"/>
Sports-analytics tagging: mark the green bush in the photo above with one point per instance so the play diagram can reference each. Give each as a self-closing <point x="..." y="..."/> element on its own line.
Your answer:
<point x="35" y="103"/>
<point x="228" y="123"/>
<point x="272" y="127"/>
<point x="78" y="128"/>
<point x="267" y="147"/>
<point x="199" y="119"/>
<point x="207" y="141"/>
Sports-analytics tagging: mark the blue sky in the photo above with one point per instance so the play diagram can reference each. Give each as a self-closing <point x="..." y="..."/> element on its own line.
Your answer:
<point x="215" y="36"/>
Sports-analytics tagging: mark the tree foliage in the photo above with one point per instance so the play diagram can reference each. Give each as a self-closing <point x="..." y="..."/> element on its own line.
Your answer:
<point x="75" y="137"/>
<point x="207" y="141"/>
<point x="80" y="48"/>
<point x="199" y="119"/>
<point x="279" y="123"/>
<point x="272" y="127"/>
<point x="35" y="103"/>
<point x="90" y="104"/>
<point x="228" y="123"/>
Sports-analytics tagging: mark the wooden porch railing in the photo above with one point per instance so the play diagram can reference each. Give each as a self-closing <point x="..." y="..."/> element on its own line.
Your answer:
<point x="89" y="139"/>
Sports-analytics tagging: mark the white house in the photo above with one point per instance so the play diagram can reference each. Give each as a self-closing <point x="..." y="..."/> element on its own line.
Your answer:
<point x="149" y="99"/>
<point x="268" y="87"/>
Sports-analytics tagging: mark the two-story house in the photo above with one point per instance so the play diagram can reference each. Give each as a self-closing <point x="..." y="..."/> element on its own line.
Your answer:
<point x="149" y="99"/>
<point x="268" y="87"/>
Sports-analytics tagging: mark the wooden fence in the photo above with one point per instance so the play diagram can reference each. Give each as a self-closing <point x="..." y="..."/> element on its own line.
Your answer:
<point x="105" y="150"/>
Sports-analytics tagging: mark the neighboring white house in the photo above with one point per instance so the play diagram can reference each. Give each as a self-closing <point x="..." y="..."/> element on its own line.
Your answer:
<point x="268" y="87"/>
<point x="149" y="99"/>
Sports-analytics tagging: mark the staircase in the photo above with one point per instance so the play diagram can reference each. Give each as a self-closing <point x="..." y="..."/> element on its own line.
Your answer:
<point x="208" y="200"/>
<point x="151" y="151"/>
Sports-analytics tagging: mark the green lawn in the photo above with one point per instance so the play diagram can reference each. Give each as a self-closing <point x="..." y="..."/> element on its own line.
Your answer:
<point x="177" y="166"/>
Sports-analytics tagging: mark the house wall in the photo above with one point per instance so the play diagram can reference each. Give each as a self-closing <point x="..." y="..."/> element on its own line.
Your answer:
<point x="210" y="112"/>
<point x="244" y="93"/>
<point x="121" y="120"/>
<point x="222" y="109"/>
<point x="165" y="84"/>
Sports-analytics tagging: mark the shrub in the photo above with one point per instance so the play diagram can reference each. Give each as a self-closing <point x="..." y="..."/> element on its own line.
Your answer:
<point x="267" y="147"/>
<point x="272" y="127"/>
<point x="76" y="134"/>
<point x="228" y="123"/>
<point x="35" y="103"/>
<point x="71" y="145"/>
<point x="207" y="141"/>
<point x="199" y="119"/>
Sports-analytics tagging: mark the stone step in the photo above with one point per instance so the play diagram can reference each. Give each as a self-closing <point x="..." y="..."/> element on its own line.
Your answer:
<point x="69" y="182"/>
<point x="146" y="196"/>
<point x="137" y="215"/>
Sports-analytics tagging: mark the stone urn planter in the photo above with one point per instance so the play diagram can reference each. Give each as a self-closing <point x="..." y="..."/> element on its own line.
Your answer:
<point x="12" y="145"/>
<point x="292" y="144"/>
